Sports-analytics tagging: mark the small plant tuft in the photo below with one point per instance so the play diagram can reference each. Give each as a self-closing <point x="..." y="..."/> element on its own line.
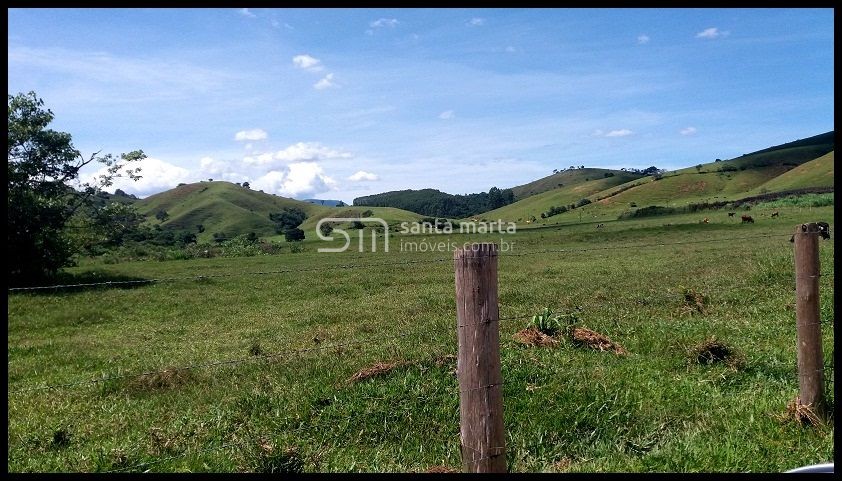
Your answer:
<point x="546" y="322"/>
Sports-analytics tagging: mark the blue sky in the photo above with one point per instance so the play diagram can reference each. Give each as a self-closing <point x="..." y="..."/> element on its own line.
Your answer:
<point x="339" y="103"/>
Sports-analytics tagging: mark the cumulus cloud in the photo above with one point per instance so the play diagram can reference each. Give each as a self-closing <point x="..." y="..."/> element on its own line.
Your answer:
<point x="301" y="151"/>
<point x="643" y="39"/>
<point x="619" y="133"/>
<point x="253" y="134"/>
<point x="246" y="13"/>
<point x="362" y="176"/>
<point x="296" y="180"/>
<point x="712" y="32"/>
<point x="476" y="22"/>
<point x="325" y="83"/>
<point x="156" y="176"/>
<point x="688" y="131"/>
<point x="384" y="22"/>
<point x="307" y="62"/>
<point x="446" y="115"/>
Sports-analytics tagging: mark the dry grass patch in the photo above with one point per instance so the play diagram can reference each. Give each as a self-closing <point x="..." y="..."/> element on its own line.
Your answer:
<point x="377" y="369"/>
<point x="533" y="337"/>
<point x="441" y="469"/>
<point x="693" y="302"/>
<point x="169" y="378"/>
<point x="583" y="336"/>
<point x="801" y="413"/>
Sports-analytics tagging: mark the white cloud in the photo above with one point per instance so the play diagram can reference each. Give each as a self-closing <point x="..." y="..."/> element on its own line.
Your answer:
<point x="384" y="22"/>
<point x="253" y="134"/>
<point x="612" y="133"/>
<point x="325" y="82"/>
<point x="296" y="180"/>
<point x="712" y="32"/>
<point x="245" y="12"/>
<point x="643" y="39"/>
<point x="688" y="131"/>
<point x="156" y="176"/>
<point x="209" y="165"/>
<point x="619" y="133"/>
<point x="476" y="22"/>
<point x="362" y="175"/>
<point x="301" y="151"/>
<point x="446" y="115"/>
<point x="307" y="62"/>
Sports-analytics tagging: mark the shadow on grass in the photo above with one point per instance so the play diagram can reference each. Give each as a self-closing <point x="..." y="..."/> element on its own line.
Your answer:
<point x="65" y="282"/>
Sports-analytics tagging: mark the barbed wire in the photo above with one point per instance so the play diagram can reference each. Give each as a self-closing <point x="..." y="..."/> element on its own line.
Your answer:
<point x="380" y="264"/>
<point x="283" y="353"/>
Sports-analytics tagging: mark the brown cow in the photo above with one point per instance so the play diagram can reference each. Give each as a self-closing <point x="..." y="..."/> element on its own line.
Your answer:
<point x="747" y="218"/>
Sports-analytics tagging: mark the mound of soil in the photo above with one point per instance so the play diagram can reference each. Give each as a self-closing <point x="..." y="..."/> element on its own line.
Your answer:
<point x="594" y="340"/>
<point x="533" y="337"/>
<point x="376" y="369"/>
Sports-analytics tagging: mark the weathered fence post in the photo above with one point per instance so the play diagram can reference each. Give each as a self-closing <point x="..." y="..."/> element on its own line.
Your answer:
<point x="478" y="361"/>
<point x="808" y="324"/>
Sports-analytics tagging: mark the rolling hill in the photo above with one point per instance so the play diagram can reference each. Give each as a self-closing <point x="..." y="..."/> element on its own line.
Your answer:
<point x="567" y="178"/>
<point x="803" y="164"/>
<point x="815" y="173"/>
<point x="223" y="207"/>
<point x="576" y="189"/>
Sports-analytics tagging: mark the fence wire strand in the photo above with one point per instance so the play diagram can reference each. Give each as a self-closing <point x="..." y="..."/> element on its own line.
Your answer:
<point x="381" y="264"/>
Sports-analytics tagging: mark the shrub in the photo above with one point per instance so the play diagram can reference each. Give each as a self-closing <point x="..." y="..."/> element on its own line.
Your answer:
<point x="294" y="235"/>
<point x="583" y="202"/>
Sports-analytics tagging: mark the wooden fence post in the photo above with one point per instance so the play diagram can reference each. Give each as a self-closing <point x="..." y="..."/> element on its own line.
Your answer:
<point x="808" y="323"/>
<point x="482" y="435"/>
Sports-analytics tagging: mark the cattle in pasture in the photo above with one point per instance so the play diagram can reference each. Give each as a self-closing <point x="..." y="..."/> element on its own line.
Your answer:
<point x="775" y="214"/>
<point x="731" y="214"/>
<point x="747" y="218"/>
<point x="600" y="226"/>
<point x="706" y="221"/>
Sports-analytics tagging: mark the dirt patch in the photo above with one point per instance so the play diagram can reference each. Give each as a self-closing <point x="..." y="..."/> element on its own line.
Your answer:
<point x="533" y="337"/>
<point x="562" y="464"/>
<point x="445" y="359"/>
<point x="585" y="337"/>
<point x="441" y="469"/>
<point x="377" y="369"/>
<point x="693" y="301"/>
<point x="694" y="187"/>
<point x="712" y="351"/>
<point x="169" y="378"/>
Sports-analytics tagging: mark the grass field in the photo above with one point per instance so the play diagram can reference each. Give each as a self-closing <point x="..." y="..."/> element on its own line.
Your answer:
<point x="566" y="408"/>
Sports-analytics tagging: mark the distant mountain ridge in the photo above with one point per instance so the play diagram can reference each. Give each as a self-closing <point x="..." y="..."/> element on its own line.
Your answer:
<point x="327" y="202"/>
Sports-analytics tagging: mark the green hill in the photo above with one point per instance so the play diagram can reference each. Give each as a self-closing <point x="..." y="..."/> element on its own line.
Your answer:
<point x="219" y="207"/>
<point x="576" y="189"/>
<point x="233" y="210"/>
<point x="565" y="178"/>
<point x="795" y="165"/>
<point x="815" y="173"/>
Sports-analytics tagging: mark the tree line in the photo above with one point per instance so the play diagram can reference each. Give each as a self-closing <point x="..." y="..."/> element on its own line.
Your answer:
<point x="432" y="202"/>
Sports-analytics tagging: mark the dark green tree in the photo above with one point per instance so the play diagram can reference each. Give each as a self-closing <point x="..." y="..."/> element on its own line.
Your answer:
<point x="294" y="235"/>
<point x="42" y="163"/>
